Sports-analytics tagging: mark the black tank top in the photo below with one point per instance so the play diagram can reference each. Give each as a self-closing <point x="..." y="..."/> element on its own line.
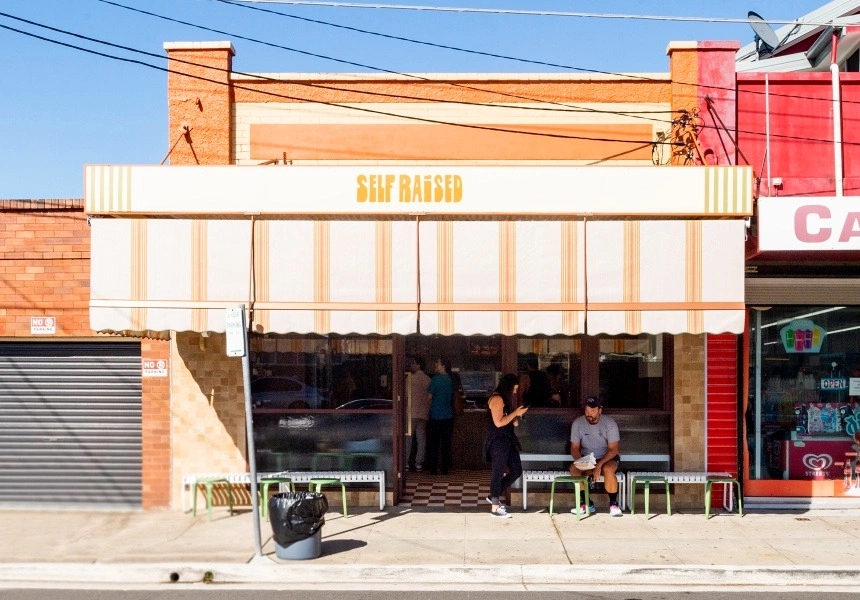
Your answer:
<point x="493" y="432"/>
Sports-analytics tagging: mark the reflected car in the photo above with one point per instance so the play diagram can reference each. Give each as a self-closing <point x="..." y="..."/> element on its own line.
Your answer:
<point x="368" y="404"/>
<point x="285" y="392"/>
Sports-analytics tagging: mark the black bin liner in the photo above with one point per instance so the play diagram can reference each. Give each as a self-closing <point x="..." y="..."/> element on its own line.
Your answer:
<point x="296" y="516"/>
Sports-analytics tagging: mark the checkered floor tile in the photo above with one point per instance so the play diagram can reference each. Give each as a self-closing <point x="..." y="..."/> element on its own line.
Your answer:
<point x="457" y="489"/>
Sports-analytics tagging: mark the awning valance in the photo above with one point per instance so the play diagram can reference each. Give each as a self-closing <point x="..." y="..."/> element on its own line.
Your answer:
<point x="448" y="277"/>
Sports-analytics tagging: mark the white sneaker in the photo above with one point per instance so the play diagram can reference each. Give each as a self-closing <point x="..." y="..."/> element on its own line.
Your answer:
<point x="500" y="512"/>
<point x="614" y="511"/>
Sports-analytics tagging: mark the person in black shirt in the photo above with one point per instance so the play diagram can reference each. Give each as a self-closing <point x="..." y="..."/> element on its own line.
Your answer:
<point x="501" y="446"/>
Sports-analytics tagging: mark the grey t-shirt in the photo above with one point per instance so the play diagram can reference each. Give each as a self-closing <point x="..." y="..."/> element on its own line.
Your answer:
<point x="594" y="438"/>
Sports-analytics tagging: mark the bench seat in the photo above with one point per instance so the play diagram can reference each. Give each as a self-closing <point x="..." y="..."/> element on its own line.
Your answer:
<point x="343" y="476"/>
<point x="549" y="476"/>
<point x="696" y="477"/>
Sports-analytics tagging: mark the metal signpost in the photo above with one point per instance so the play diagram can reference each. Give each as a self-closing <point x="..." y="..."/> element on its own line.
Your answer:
<point x="237" y="345"/>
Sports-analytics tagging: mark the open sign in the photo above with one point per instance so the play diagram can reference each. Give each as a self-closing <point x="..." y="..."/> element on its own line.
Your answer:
<point x="834" y="383"/>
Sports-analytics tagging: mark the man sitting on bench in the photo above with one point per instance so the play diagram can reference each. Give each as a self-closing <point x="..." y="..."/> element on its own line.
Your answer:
<point x="597" y="434"/>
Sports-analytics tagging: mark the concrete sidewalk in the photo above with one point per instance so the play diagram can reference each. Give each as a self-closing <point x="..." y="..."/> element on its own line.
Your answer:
<point x="435" y="548"/>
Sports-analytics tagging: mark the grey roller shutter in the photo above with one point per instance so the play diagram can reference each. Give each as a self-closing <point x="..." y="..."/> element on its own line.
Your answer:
<point x="70" y="424"/>
<point x="804" y="291"/>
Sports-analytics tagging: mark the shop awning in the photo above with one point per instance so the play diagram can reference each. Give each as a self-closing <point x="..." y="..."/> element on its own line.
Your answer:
<point x="167" y="274"/>
<point x="665" y="276"/>
<point x="434" y="276"/>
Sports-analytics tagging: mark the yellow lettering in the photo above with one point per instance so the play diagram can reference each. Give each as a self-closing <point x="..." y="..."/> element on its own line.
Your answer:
<point x="389" y="182"/>
<point x="438" y="190"/>
<point x="417" y="196"/>
<point x="361" y="193"/>
<point x="428" y="188"/>
<point x="458" y="188"/>
<point x="405" y="191"/>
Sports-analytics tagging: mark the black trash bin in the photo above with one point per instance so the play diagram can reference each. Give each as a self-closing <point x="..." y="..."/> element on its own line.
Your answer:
<point x="297" y="519"/>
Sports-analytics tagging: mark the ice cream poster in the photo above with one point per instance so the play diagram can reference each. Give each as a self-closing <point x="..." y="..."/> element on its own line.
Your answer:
<point x="802" y="336"/>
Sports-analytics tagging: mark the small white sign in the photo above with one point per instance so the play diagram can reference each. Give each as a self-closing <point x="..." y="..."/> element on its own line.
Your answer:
<point x="153" y="368"/>
<point x="234" y="321"/>
<point x="43" y="325"/>
<point x="854" y="386"/>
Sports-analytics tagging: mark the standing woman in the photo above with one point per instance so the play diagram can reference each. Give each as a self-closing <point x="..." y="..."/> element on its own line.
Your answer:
<point x="501" y="446"/>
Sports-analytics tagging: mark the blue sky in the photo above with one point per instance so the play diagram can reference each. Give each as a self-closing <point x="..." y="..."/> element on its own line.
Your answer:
<point x="61" y="108"/>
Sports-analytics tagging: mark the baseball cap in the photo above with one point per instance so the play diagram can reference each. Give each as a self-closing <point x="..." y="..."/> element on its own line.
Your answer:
<point x="594" y="402"/>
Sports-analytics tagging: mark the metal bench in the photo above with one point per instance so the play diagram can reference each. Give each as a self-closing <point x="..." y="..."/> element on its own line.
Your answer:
<point x="549" y="477"/>
<point x="671" y="477"/>
<point x="343" y="476"/>
<point x="191" y="481"/>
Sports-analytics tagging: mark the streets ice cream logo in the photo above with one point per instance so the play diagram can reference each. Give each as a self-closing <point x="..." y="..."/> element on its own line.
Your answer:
<point x="817" y="463"/>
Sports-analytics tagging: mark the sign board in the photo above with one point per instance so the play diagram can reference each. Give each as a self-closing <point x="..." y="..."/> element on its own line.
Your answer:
<point x="802" y="336"/>
<point x="854" y="386"/>
<point x="234" y="321"/>
<point x="399" y="190"/>
<point x="813" y="223"/>
<point x="834" y="383"/>
<point x="151" y="367"/>
<point x="43" y="325"/>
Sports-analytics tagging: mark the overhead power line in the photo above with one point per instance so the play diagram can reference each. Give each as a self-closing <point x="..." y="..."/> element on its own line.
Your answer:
<point x="241" y="4"/>
<point x="520" y="12"/>
<point x="351" y="107"/>
<point x="334" y="104"/>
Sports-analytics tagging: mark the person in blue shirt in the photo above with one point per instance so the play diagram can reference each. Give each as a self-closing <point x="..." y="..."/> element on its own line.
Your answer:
<point x="440" y="425"/>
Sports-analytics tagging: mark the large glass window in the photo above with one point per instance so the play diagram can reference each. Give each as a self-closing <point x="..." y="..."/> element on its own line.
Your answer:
<point x="320" y="372"/>
<point x="804" y="391"/>
<point x="631" y="371"/>
<point x="550" y="371"/>
<point x="322" y="403"/>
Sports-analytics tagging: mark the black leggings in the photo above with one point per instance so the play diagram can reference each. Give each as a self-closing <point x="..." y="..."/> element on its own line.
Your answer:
<point x="506" y="465"/>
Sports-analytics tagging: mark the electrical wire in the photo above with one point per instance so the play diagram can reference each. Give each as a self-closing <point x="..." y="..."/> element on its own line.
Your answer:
<point x="520" y="12"/>
<point x="294" y="98"/>
<point x="567" y="107"/>
<point x="334" y="104"/>
<point x="243" y="4"/>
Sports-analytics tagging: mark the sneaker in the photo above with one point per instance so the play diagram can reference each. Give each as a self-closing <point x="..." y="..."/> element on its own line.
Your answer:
<point x="581" y="510"/>
<point x="614" y="511"/>
<point x="500" y="512"/>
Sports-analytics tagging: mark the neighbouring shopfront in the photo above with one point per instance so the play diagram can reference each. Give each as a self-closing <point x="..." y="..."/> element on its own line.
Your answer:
<point x="803" y="414"/>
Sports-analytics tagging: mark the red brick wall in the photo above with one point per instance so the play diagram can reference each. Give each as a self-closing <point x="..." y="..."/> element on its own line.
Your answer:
<point x="199" y="96"/>
<point x="156" y="430"/>
<point x="45" y="270"/>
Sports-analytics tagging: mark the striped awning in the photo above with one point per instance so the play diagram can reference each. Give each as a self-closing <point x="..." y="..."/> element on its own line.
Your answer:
<point x="448" y="277"/>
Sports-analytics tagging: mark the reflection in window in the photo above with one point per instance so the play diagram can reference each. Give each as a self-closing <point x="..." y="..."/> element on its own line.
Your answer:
<point x="315" y="372"/>
<point x="550" y="371"/>
<point x="631" y="371"/>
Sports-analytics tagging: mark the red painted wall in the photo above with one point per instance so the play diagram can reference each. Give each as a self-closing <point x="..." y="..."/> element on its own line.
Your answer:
<point x="801" y="131"/>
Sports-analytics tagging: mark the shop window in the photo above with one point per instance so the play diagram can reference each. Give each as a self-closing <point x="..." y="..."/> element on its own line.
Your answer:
<point x="550" y="371"/>
<point x="315" y="372"/>
<point x="631" y="371"/>
<point x="803" y="408"/>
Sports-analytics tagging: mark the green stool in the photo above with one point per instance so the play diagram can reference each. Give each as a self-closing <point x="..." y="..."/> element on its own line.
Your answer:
<point x="646" y="481"/>
<point x="209" y="483"/>
<point x="579" y="483"/>
<point x="729" y="481"/>
<point x="316" y="485"/>
<point x="265" y="484"/>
